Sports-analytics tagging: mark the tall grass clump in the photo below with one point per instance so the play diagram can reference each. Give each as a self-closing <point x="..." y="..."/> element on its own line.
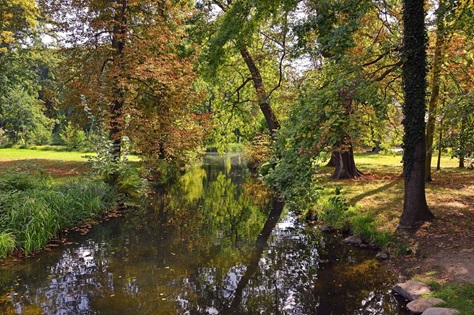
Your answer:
<point x="32" y="214"/>
<point x="332" y="209"/>
<point x="7" y="243"/>
<point x="366" y="228"/>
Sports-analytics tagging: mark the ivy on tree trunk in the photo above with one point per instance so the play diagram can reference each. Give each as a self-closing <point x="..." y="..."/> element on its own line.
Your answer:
<point x="119" y="31"/>
<point x="415" y="208"/>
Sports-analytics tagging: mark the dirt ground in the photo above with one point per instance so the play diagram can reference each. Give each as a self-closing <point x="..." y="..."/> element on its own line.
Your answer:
<point x="46" y="167"/>
<point x="442" y="250"/>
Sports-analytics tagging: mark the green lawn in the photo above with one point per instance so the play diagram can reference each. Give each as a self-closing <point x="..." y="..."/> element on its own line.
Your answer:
<point x="13" y="154"/>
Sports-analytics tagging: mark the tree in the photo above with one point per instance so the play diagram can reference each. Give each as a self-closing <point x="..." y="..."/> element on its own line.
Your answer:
<point x="128" y="64"/>
<point x="22" y="118"/>
<point x="415" y="208"/>
<point x="17" y="17"/>
<point x="347" y="36"/>
<point x="435" y="87"/>
<point x="452" y="27"/>
<point x="240" y="27"/>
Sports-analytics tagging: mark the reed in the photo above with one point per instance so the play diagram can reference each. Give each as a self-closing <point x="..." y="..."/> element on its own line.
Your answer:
<point x="33" y="210"/>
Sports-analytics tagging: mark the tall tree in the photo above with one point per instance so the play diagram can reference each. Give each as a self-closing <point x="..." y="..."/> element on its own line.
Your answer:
<point x="451" y="19"/>
<point x="415" y="208"/>
<point x="239" y="27"/>
<point x="435" y="87"/>
<point x="342" y="34"/>
<point x="129" y="65"/>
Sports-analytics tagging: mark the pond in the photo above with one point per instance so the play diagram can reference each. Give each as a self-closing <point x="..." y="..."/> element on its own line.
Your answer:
<point x="215" y="242"/>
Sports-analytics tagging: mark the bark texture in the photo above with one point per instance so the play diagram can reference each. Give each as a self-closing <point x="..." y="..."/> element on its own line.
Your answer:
<point x="415" y="208"/>
<point x="119" y="32"/>
<point x="344" y="163"/>
<point x="433" y="104"/>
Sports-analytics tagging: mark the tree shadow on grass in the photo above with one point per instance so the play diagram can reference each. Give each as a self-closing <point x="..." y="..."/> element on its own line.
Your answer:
<point x="55" y="168"/>
<point x="373" y="192"/>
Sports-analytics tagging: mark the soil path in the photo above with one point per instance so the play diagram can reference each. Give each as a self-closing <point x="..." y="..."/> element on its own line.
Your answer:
<point x="442" y="250"/>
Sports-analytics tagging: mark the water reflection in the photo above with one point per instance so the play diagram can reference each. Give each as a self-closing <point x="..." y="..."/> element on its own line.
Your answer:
<point x="213" y="243"/>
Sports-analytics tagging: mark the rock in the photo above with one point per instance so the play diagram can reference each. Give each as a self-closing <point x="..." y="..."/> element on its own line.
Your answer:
<point x="353" y="240"/>
<point x="382" y="255"/>
<point x="440" y="311"/>
<point x="411" y="290"/>
<point x="420" y="305"/>
<point x="325" y="229"/>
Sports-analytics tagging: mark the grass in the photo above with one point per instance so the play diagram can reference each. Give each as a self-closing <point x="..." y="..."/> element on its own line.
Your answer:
<point x="34" y="209"/>
<point x="15" y="154"/>
<point x="45" y="191"/>
<point x="12" y="154"/>
<point x="459" y="297"/>
<point x="379" y="193"/>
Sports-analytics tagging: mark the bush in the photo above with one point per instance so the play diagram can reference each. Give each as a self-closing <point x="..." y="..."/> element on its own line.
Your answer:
<point x="73" y="138"/>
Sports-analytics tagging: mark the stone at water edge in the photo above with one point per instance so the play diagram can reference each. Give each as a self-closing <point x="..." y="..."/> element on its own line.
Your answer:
<point x="440" y="311"/>
<point x="353" y="240"/>
<point x="382" y="255"/>
<point x="420" y="305"/>
<point x="411" y="290"/>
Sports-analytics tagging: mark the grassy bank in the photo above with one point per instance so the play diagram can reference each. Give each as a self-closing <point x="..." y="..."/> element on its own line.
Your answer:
<point x="371" y="205"/>
<point x="33" y="209"/>
<point x="44" y="192"/>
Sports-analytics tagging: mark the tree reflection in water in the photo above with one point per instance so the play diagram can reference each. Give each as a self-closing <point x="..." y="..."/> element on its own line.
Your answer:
<point x="213" y="243"/>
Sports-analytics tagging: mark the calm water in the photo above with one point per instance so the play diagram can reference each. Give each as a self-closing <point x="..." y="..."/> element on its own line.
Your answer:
<point x="214" y="243"/>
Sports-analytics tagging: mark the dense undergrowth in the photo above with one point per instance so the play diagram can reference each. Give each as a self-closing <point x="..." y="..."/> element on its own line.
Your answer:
<point x="33" y="208"/>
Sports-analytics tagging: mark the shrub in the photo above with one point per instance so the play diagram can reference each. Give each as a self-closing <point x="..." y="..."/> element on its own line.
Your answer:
<point x="72" y="137"/>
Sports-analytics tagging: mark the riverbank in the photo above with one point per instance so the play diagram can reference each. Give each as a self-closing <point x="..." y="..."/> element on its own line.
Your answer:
<point x="440" y="252"/>
<point x="45" y="192"/>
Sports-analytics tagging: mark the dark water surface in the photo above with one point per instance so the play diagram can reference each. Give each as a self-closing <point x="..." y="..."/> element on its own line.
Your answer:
<point x="214" y="243"/>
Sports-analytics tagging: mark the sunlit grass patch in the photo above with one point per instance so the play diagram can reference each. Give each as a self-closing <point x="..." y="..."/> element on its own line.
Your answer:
<point x="457" y="296"/>
<point x="378" y="195"/>
<point x="14" y="154"/>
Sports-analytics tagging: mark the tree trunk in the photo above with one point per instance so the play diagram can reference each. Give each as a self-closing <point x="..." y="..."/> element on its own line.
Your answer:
<point x="462" y="141"/>
<point x="438" y="165"/>
<point x="262" y="95"/>
<point x="332" y="160"/>
<point x="415" y="208"/>
<point x="118" y="44"/>
<point x="345" y="164"/>
<point x="433" y="104"/>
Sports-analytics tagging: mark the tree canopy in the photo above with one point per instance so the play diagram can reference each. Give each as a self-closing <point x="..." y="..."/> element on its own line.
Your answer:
<point x="165" y="78"/>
